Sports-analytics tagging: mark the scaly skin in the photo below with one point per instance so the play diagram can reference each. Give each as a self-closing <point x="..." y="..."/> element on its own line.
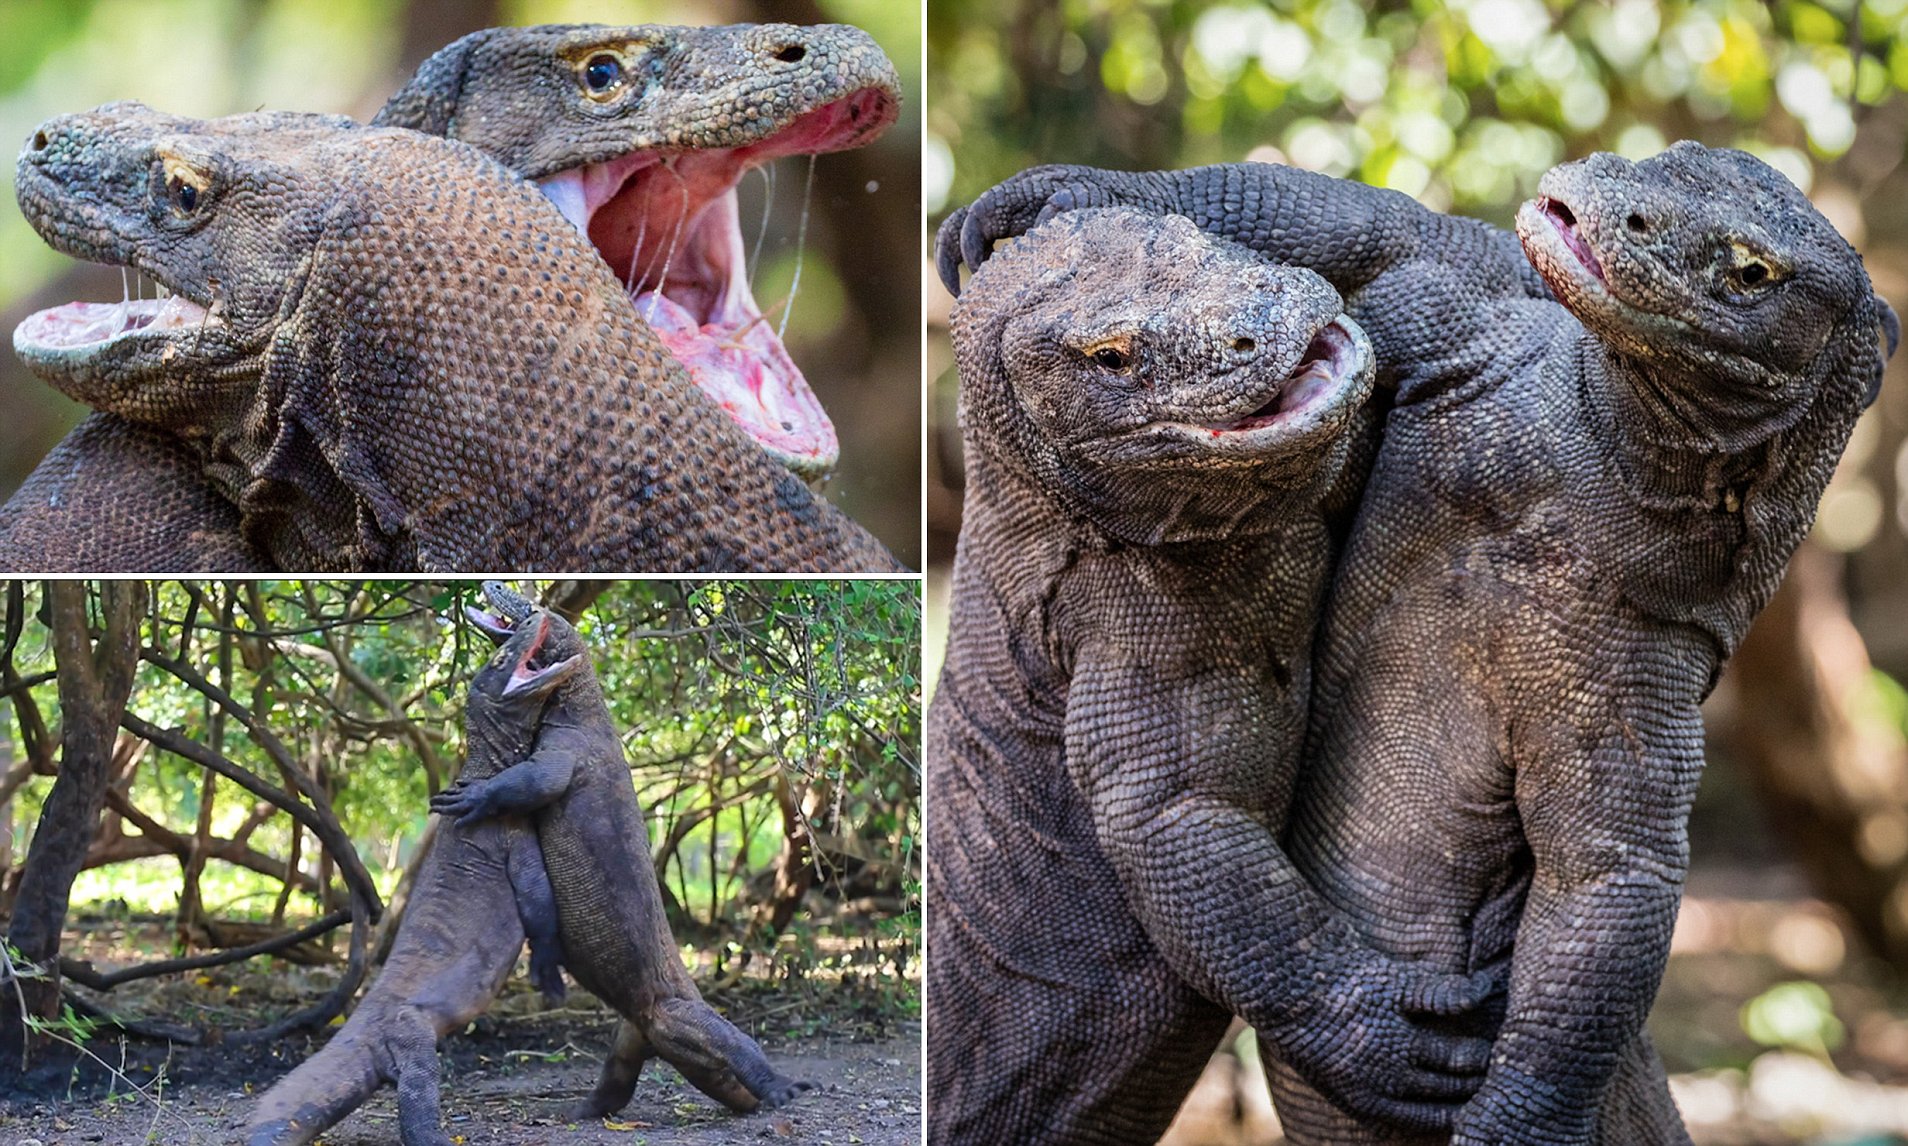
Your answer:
<point x="352" y="411"/>
<point x="1120" y="712"/>
<point x="121" y="496"/>
<point x="1579" y="506"/>
<point x="616" y="939"/>
<point x="482" y="888"/>
<point x="514" y="93"/>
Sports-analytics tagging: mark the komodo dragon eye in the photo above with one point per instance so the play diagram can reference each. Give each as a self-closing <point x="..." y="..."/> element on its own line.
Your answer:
<point x="1111" y="357"/>
<point x="1750" y="274"/>
<point x="185" y="185"/>
<point x="602" y="72"/>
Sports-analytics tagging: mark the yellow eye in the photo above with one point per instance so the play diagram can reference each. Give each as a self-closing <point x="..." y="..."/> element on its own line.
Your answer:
<point x="185" y="185"/>
<point x="1113" y="354"/>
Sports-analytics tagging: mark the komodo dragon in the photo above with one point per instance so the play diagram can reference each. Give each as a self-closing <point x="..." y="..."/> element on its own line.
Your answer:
<point x="1578" y="507"/>
<point x="349" y="301"/>
<point x="479" y="891"/>
<point x="1152" y="419"/>
<point x="616" y="939"/>
<point x="650" y="160"/>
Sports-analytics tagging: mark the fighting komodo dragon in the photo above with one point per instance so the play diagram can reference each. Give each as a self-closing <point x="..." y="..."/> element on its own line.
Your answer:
<point x="1578" y="507"/>
<point x="348" y="302"/>
<point x="1152" y="421"/>
<point x="636" y="133"/>
<point x="479" y="892"/>
<point x="616" y="939"/>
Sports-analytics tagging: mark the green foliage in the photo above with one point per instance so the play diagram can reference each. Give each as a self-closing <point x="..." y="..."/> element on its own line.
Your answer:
<point x="737" y="698"/>
<point x="1462" y="105"/>
<point x="1798" y="1016"/>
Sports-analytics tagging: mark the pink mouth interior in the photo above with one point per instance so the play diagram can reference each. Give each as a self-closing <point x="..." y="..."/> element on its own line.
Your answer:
<point x="667" y="225"/>
<point x="1561" y="218"/>
<point x="80" y="324"/>
<point x="1319" y="373"/>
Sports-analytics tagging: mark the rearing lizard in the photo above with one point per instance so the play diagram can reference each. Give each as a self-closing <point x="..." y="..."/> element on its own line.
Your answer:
<point x="1152" y="423"/>
<point x="1580" y="503"/>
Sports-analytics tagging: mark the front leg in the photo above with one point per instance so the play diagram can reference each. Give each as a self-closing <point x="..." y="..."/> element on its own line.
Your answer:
<point x="1348" y="232"/>
<point x="1182" y="768"/>
<point x="1607" y="831"/>
<point x="521" y="789"/>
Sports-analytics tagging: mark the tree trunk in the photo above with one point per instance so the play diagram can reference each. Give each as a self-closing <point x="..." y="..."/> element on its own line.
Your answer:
<point x="1799" y="711"/>
<point x="94" y="682"/>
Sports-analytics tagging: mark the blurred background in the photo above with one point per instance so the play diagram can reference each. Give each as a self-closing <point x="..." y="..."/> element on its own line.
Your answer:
<point x="854" y="328"/>
<point x="1783" y="1017"/>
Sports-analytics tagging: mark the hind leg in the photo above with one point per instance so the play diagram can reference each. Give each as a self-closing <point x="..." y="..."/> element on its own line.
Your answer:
<point x="537" y="909"/>
<point x="413" y="1043"/>
<point x="620" y="1071"/>
<point x="1637" y="1109"/>
<point x="716" y="1057"/>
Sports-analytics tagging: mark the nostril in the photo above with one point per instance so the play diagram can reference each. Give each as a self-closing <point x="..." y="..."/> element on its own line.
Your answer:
<point x="39" y="141"/>
<point x="1636" y="223"/>
<point x="1244" y="345"/>
<point x="791" y="54"/>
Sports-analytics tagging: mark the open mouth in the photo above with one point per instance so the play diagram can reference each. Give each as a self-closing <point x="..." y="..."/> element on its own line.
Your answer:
<point x="1559" y="216"/>
<point x="1322" y="371"/>
<point x="507" y="608"/>
<point x="667" y="225"/>
<point x="85" y="327"/>
<point x="533" y="665"/>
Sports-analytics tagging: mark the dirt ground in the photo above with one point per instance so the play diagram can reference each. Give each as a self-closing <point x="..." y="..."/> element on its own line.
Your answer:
<point x="865" y="1093"/>
<point x="845" y="1024"/>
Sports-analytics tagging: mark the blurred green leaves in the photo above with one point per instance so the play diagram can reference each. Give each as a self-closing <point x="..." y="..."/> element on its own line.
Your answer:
<point x="1462" y="105"/>
<point x="1796" y="1016"/>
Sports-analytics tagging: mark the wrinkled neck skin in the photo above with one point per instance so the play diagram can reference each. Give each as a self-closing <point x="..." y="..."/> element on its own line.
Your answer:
<point x="578" y="704"/>
<point x="1055" y="567"/>
<point x="497" y="736"/>
<point x="1727" y="504"/>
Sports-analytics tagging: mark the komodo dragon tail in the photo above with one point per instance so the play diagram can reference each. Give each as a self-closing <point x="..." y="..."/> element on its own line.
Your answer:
<point x="321" y="1091"/>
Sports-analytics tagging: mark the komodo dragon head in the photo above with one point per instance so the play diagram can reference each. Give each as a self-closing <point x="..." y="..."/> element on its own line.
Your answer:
<point x="1167" y="385"/>
<point x="1707" y="265"/>
<point x="392" y="328"/>
<point x="640" y="134"/>
<point x="214" y="212"/>
<point x="511" y="615"/>
<point x="528" y="666"/>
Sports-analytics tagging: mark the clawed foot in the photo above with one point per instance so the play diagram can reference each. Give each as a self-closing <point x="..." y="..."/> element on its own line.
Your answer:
<point x="784" y="1092"/>
<point x="1014" y="207"/>
<point x="1382" y="1044"/>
